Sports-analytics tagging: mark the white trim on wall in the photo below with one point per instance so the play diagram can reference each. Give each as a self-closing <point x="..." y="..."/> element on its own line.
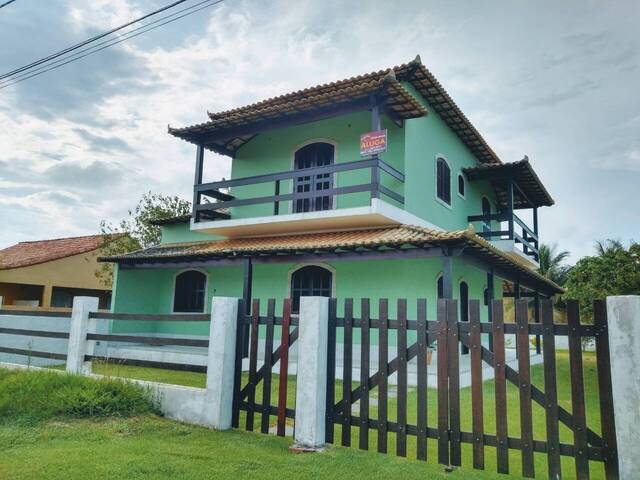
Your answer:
<point x="206" y="290"/>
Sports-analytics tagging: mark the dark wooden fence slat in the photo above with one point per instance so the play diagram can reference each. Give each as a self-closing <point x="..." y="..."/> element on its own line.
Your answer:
<point x="502" y="449"/>
<point x="363" y="440"/>
<point x="421" y="443"/>
<point x="253" y="364"/>
<point x="284" y="368"/>
<point x="603" y="360"/>
<point x="383" y="359"/>
<point x="577" y="390"/>
<point x="524" y="377"/>
<point x="347" y="372"/>
<point x="237" y="378"/>
<point x="550" y="390"/>
<point x="477" y="407"/>
<point x="268" y="352"/>
<point x="443" y="385"/>
<point x="331" y="370"/>
<point x="453" y="358"/>
<point x="401" y="435"/>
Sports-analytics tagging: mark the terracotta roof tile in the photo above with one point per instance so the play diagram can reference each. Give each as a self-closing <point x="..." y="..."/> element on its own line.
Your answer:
<point x="398" y="100"/>
<point x="403" y="236"/>
<point x="24" y="254"/>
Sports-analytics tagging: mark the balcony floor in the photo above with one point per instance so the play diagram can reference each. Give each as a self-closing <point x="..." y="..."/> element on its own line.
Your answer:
<point x="378" y="214"/>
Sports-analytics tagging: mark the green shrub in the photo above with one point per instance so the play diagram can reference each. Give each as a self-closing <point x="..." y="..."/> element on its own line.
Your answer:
<point x="32" y="396"/>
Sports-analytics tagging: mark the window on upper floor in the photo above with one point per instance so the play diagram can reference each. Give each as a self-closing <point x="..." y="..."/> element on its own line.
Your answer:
<point x="443" y="180"/>
<point x="189" y="292"/>
<point x="461" y="185"/>
<point x="310" y="281"/>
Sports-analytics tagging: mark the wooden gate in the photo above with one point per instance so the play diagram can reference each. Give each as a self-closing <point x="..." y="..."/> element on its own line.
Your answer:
<point x="257" y="382"/>
<point x="452" y="443"/>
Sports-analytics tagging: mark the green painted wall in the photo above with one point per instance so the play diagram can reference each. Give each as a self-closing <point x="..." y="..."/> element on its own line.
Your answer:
<point x="181" y="232"/>
<point x="426" y="138"/>
<point x="151" y="290"/>
<point x="273" y="152"/>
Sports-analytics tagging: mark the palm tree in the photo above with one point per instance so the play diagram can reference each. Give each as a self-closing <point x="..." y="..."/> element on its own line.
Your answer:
<point x="552" y="263"/>
<point x="608" y="246"/>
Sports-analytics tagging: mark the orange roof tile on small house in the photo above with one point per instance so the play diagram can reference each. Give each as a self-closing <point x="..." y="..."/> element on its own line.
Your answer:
<point x="25" y="254"/>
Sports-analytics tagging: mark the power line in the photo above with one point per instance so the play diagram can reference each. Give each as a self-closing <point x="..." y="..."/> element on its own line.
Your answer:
<point x="90" y="40"/>
<point x="7" y="3"/>
<point x="107" y="43"/>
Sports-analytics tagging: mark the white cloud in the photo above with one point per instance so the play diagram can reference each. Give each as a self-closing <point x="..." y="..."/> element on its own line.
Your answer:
<point x="531" y="80"/>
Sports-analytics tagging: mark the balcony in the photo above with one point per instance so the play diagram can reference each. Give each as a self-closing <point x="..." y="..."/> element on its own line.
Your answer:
<point x="517" y="232"/>
<point x="355" y="194"/>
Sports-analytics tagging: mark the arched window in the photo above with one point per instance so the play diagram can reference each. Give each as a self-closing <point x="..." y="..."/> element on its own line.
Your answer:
<point x="314" y="155"/>
<point x="461" y="185"/>
<point x="443" y="180"/>
<point x="486" y="210"/>
<point x="464" y="308"/>
<point x="440" y="286"/>
<point x="311" y="281"/>
<point x="189" y="292"/>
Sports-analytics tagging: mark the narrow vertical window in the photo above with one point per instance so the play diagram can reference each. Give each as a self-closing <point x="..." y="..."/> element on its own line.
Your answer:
<point x="441" y="286"/>
<point x="461" y="185"/>
<point x="189" y="292"/>
<point x="443" y="181"/>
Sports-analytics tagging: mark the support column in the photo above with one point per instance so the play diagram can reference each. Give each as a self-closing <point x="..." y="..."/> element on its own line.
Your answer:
<point x="47" y="292"/>
<point x="510" y="208"/>
<point x="490" y="297"/>
<point x="311" y="383"/>
<point x="197" y="181"/>
<point x="247" y="285"/>
<point x="623" y="314"/>
<point x="536" y="316"/>
<point x="78" y="329"/>
<point x="221" y="362"/>
<point x="447" y="277"/>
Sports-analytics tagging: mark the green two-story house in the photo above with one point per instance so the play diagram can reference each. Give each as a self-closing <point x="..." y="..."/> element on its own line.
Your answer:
<point x="424" y="210"/>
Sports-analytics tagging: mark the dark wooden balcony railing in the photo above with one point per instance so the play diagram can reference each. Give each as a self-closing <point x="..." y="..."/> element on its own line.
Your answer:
<point x="223" y="198"/>
<point x="517" y="230"/>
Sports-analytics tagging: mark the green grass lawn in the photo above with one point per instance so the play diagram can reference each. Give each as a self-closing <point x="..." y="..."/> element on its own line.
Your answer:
<point x="273" y="450"/>
<point x="539" y="427"/>
<point x="154" y="448"/>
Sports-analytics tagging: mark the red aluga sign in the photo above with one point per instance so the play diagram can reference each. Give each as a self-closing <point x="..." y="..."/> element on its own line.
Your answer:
<point x="373" y="142"/>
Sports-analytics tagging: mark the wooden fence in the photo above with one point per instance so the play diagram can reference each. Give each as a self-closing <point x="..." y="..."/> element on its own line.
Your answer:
<point x="245" y="387"/>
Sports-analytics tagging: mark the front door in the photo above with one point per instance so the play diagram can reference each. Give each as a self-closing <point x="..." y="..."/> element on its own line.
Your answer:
<point x="312" y="156"/>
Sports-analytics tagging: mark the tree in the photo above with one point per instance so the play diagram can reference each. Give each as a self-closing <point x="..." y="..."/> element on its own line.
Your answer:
<point x="615" y="270"/>
<point x="552" y="263"/>
<point x="137" y="231"/>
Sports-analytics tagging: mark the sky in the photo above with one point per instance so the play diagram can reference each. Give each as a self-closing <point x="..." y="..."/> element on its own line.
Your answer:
<point x="557" y="81"/>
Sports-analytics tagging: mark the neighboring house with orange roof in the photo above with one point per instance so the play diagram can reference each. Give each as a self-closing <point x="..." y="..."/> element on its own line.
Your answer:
<point x="47" y="274"/>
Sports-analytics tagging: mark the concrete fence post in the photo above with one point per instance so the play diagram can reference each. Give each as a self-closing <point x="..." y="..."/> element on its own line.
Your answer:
<point x="78" y="329"/>
<point x="0" y="302"/>
<point x="623" y="314"/>
<point x="221" y="362"/>
<point x="311" y="383"/>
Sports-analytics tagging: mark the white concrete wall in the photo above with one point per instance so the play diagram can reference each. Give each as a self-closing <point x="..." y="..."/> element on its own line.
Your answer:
<point x="35" y="322"/>
<point x="623" y="313"/>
